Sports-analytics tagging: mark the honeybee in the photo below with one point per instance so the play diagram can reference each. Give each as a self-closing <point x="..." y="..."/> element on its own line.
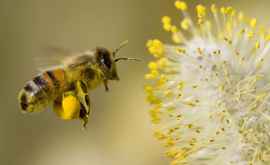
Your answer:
<point x="65" y="87"/>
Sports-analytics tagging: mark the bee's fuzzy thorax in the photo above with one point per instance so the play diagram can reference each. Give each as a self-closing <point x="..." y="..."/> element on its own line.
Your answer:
<point x="209" y="93"/>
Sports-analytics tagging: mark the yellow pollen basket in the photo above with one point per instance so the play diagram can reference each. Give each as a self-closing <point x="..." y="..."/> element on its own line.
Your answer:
<point x="70" y="106"/>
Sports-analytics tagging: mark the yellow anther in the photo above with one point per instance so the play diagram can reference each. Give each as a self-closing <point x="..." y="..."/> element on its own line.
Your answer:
<point x="242" y="31"/>
<point x="152" y="65"/>
<point x="229" y="10"/>
<point x="159" y="135"/>
<point x="148" y="89"/>
<point x="172" y="153"/>
<point x="190" y="103"/>
<point x="261" y="96"/>
<point x="213" y="8"/>
<point x="152" y="75"/>
<point x="167" y="27"/>
<point x="180" y="5"/>
<point x="149" y="43"/>
<point x="155" y="115"/>
<point x="185" y="24"/>
<point x="181" y="50"/>
<point x="162" y="63"/>
<point x="176" y="38"/>
<point x="166" y="19"/>
<point x="172" y="108"/>
<point x="267" y="37"/>
<point x="168" y="93"/>
<point x="201" y="11"/>
<point x="178" y="156"/>
<point x="262" y="31"/>
<point x="259" y="64"/>
<point x="257" y="45"/>
<point x="208" y="24"/>
<point x="155" y="73"/>
<point x="250" y="34"/>
<point x="162" y="80"/>
<point x="259" y="77"/>
<point x="240" y="16"/>
<point x="169" y="142"/>
<point x="180" y="85"/>
<point x="155" y="47"/>
<point x="148" y="76"/>
<point x="71" y="107"/>
<point x="223" y="10"/>
<point x="253" y="22"/>
<point x="174" y="29"/>
<point x="153" y="99"/>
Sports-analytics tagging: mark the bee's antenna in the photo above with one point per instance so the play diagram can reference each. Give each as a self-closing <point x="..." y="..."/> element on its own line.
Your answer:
<point x="122" y="44"/>
<point x="126" y="58"/>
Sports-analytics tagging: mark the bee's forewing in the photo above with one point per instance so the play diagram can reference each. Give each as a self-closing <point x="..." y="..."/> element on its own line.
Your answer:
<point x="52" y="57"/>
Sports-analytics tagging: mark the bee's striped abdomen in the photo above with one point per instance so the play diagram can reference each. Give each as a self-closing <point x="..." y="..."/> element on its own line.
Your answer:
<point x="39" y="92"/>
<point x="58" y="78"/>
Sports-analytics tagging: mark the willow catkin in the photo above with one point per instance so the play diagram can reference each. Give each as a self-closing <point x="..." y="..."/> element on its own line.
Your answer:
<point x="209" y="90"/>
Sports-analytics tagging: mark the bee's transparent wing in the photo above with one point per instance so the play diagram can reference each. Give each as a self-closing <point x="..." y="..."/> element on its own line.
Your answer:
<point x="52" y="57"/>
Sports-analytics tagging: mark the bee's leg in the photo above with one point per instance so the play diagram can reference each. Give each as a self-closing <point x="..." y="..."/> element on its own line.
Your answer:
<point x="106" y="85"/>
<point x="83" y="96"/>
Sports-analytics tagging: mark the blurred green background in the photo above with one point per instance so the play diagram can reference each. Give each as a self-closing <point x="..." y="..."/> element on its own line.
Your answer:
<point x="119" y="131"/>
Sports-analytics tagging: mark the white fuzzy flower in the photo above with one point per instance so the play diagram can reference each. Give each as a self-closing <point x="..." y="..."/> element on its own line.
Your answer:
<point x="209" y="91"/>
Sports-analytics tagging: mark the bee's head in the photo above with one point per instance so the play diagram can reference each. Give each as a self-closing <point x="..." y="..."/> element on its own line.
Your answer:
<point x="107" y="61"/>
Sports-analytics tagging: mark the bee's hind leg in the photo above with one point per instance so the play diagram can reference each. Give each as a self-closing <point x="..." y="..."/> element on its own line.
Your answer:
<point x="83" y="96"/>
<point x="105" y="82"/>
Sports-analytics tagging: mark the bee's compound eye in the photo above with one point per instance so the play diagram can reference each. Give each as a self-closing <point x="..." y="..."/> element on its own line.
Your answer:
<point x="104" y="57"/>
<point x="106" y="61"/>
